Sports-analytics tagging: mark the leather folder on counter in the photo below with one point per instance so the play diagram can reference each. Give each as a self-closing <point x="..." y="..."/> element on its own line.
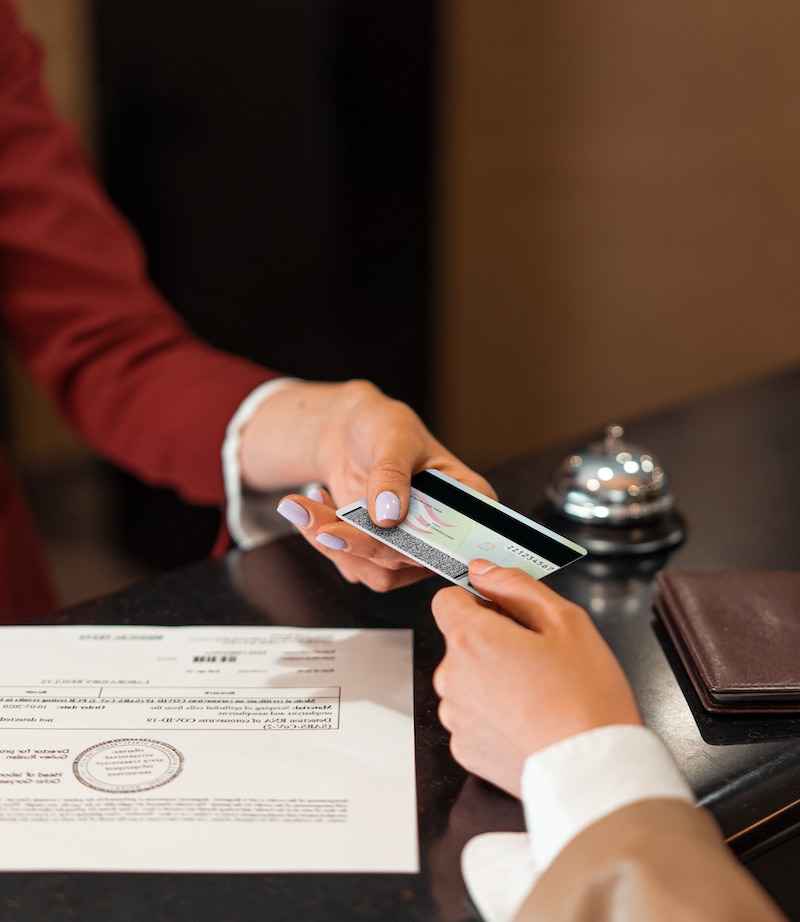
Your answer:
<point x="738" y="636"/>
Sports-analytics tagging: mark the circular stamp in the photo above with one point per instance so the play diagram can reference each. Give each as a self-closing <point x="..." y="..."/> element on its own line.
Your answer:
<point x="126" y="766"/>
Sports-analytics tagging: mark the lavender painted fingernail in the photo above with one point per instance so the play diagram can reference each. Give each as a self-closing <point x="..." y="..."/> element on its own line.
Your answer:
<point x="294" y="512"/>
<point x="387" y="506"/>
<point x="334" y="542"/>
<point x="316" y="494"/>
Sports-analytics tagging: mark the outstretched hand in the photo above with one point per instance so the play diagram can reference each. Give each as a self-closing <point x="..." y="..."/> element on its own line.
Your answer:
<point x="518" y="677"/>
<point x="357" y="442"/>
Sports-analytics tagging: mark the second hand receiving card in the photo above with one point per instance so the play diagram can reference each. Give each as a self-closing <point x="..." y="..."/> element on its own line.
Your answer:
<point x="448" y="524"/>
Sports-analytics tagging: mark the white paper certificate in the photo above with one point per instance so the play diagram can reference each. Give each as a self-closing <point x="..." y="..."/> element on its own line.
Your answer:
<point x="249" y="749"/>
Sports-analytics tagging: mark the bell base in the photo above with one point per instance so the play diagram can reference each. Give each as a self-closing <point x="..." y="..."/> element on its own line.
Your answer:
<point x="640" y="538"/>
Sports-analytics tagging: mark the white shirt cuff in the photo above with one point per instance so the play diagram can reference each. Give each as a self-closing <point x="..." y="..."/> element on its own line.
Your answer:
<point x="565" y="788"/>
<point x="579" y="780"/>
<point x="499" y="872"/>
<point x="244" y="537"/>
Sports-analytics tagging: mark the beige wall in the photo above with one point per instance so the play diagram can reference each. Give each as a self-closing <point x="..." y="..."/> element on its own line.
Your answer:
<point x="620" y="189"/>
<point x="39" y="439"/>
<point x="62" y="27"/>
<point x="620" y="196"/>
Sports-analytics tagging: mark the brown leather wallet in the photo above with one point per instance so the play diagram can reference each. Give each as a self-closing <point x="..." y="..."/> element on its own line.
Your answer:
<point x="738" y="636"/>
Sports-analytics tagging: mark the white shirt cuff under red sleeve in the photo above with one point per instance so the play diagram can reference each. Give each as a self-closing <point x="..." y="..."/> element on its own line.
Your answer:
<point x="245" y="535"/>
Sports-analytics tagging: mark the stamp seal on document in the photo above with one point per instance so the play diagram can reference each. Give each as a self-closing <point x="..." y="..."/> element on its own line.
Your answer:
<point x="125" y="766"/>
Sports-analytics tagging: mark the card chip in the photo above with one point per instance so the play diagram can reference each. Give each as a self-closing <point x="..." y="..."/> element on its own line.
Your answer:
<point x="409" y="545"/>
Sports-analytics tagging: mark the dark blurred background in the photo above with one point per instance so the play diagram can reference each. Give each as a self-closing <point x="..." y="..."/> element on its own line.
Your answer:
<point x="276" y="158"/>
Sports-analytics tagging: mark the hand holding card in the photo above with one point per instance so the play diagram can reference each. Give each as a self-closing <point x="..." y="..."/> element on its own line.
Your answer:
<point x="448" y="524"/>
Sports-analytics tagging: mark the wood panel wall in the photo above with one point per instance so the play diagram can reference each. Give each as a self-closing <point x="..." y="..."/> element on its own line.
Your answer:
<point x="619" y="211"/>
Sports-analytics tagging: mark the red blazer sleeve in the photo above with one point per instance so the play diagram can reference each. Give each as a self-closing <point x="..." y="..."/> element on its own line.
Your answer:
<point x="76" y="303"/>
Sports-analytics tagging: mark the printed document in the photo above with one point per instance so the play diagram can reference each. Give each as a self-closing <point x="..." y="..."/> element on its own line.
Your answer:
<point x="213" y="749"/>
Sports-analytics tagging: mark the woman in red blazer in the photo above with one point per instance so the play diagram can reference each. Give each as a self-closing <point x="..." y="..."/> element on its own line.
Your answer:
<point x="132" y="379"/>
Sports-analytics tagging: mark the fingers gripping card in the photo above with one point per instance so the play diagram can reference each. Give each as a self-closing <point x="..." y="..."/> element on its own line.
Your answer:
<point x="448" y="524"/>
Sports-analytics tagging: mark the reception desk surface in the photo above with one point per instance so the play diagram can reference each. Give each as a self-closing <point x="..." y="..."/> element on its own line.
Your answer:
<point x="732" y="460"/>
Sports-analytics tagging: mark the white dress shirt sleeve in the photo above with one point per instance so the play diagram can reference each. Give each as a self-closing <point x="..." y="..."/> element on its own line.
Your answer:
<point x="565" y="788"/>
